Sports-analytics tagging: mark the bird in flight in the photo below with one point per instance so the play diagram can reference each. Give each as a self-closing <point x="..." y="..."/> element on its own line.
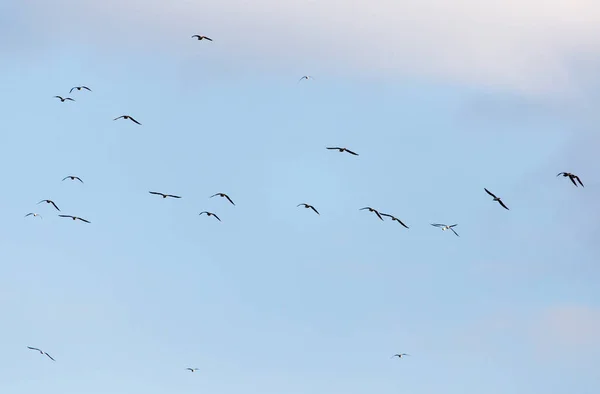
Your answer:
<point x="41" y="352"/>
<point x="400" y="355"/>
<point x="495" y="198"/>
<point x="79" y="88"/>
<point x="62" y="99"/>
<point x="128" y="117"/>
<point x="372" y="210"/>
<point x="223" y="195"/>
<point x="445" y="227"/>
<point x="309" y="206"/>
<point x="307" y="77"/>
<point x="74" y="218"/>
<point x="200" y="38"/>
<point x="34" y="214"/>
<point x="192" y="369"/>
<point x="210" y="214"/>
<point x="73" y="177"/>
<point x="572" y="177"/>
<point x="343" y="150"/>
<point x="49" y="202"/>
<point x="394" y="218"/>
<point x="164" y="195"/>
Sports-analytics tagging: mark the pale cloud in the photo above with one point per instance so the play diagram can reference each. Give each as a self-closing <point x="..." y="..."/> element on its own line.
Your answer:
<point x="531" y="46"/>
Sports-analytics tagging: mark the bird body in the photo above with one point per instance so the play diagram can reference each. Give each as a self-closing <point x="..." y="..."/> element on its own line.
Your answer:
<point x="372" y="210"/>
<point x="210" y="214"/>
<point x="309" y="206"/>
<point x="342" y="150"/>
<point x="572" y="177"/>
<point x="495" y="198"/>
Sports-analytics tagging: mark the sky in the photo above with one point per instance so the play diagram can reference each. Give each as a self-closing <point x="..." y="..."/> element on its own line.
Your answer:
<point x="440" y="99"/>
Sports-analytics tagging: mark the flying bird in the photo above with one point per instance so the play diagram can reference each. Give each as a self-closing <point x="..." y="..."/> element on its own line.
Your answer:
<point x="394" y="218"/>
<point x="343" y="150"/>
<point x="127" y="117"/>
<point x="445" y="227"/>
<point x="164" y="195"/>
<point x="400" y="355"/>
<point x="34" y="214"/>
<point x="495" y="198"/>
<point x="74" y="218"/>
<point x="572" y="177"/>
<point x="49" y="202"/>
<point x="41" y="352"/>
<point x="309" y="206"/>
<point x="62" y="99"/>
<point x="73" y="177"/>
<point x="192" y="369"/>
<point x="223" y="195"/>
<point x="210" y="214"/>
<point x="307" y="77"/>
<point x="373" y="210"/>
<point x="200" y="38"/>
<point x="79" y="88"/>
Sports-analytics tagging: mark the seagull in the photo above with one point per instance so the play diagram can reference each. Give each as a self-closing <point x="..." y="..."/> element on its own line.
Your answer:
<point x="373" y="210"/>
<point x="41" y="352"/>
<point x="210" y="214"/>
<point x="192" y="369"/>
<point x="400" y="355"/>
<point x="74" y="218"/>
<point x="309" y="206"/>
<point x="200" y="38"/>
<point x="223" y="195"/>
<point x="62" y="100"/>
<point x="34" y="214"/>
<point x="572" y="177"/>
<point x="127" y="117"/>
<point x="164" y="195"/>
<point x="49" y="202"/>
<point x="343" y="150"/>
<point x="446" y="227"/>
<point x="307" y="77"/>
<point x="394" y="218"/>
<point x="73" y="177"/>
<point x="495" y="198"/>
<point x="79" y="88"/>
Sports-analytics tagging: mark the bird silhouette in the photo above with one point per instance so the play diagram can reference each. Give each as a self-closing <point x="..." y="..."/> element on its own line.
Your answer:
<point x="63" y="99"/>
<point x="41" y="352"/>
<point x="210" y="214"/>
<point x="495" y="198"/>
<point x="127" y="117"/>
<point x="73" y="177"/>
<point x="74" y="218"/>
<point x="372" y="210"/>
<point x="309" y="206"/>
<point x="200" y="38"/>
<point x="34" y="215"/>
<point x="49" y="202"/>
<point x="79" y="88"/>
<point x="223" y="195"/>
<point x="445" y="227"/>
<point x="164" y="195"/>
<point x="572" y="177"/>
<point x="343" y="150"/>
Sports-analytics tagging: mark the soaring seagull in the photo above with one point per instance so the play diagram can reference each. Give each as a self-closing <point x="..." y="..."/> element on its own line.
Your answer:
<point x="210" y="214"/>
<point x="572" y="177"/>
<point x="127" y="117"/>
<point x="373" y="210"/>
<point x="62" y="99"/>
<point x="79" y="88"/>
<point x="400" y="355"/>
<point x="200" y="38"/>
<point x="164" y="195"/>
<point x="307" y="77"/>
<point x="41" y="352"/>
<point x="34" y="214"/>
<point x="445" y="227"/>
<point x="74" y="218"/>
<point x="192" y="369"/>
<point x="73" y="177"/>
<point x="309" y="206"/>
<point x="223" y="195"/>
<point x="495" y="198"/>
<point x="343" y="150"/>
<point x="394" y="218"/>
<point x="49" y="202"/>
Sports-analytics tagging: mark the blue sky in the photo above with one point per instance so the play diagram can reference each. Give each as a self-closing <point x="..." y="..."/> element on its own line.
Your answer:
<point x="275" y="298"/>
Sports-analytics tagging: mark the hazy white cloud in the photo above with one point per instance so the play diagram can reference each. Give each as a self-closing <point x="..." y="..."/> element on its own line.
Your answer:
<point x="531" y="46"/>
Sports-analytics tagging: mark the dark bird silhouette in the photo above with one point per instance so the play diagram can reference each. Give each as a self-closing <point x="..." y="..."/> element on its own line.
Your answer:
<point x="79" y="88"/>
<point x="200" y="38"/>
<point x="164" y="195"/>
<point x="41" y="352"/>
<point x="74" y="218"/>
<point x="62" y="99"/>
<point x="73" y="177"/>
<point x="394" y="218"/>
<point x="373" y="210"/>
<point x="128" y="117"/>
<point x="495" y="198"/>
<point x="223" y="195"/>
<point x="400" y="355"/>
<point x="572" y="177"/>
<point x="343" y="150"/>
<point x="309" y="206"/>
<point x="210" y="214"/>
<point x="49" y="202"/>
<point x="34" y="215"/>
<point x="445" y="227"/>
<point x="192" y="369"/>
<point x="307" y="77"/>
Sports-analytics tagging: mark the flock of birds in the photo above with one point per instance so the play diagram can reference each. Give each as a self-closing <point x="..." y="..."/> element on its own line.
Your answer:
<point x="380" y="215"/>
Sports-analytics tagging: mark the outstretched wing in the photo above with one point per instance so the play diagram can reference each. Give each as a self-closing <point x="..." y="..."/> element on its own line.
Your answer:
<point x="157" y="193"/>
<point x="334" y="147"/>
<point x="49" y="356"/>
<point x="573" y="180"/>
<point x="352" y="153"/>
<point x="313" y="208"/>
<point x="377" y="213"/>
<point x="135" y="121"/>
<point x="229" y="199"/>
<point x="83" y="220"/>
<point x="400" y="221"/>
<point x="86" y="88"/>
<point x="501" y="203"/>
<point x="489" y="192"/>
<point x="216" y="217"/>
<point x="578" y="180"/>
<point x="438" y="225"/>
<point x="52" y="202"/>
<point x="170" y="195"/>
<point x="122" y="116"/>
<point x="455" y="233"/>
<point x="34" y="348"/>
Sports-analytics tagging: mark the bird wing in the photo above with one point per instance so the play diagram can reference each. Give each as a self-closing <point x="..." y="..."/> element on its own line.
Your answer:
<point x="170" y="195"/>
<point x="86" y="88"/>
<point x="69" y="98"/>
<point x="72" y="89"/>
<point x="79" y="179"/>
<point x="313" y="208"/>
<point x="58" y="97"/>
<point x="352" y="153"/>
<point x="378" y="215"/>
<point x="135" y="121"/>
<point x="52" y="202"/>
<point x="209" y="39"/>
<point x="65" y="178"/>
<point x="438" y="225"/>
<point x="400" y="221"/>
<point x="501" y="203"/>
<point x="365" y="208"/>
<point x="65" y="216"/>
<point x="573" y="180"/>
<point x="216" y="217"/>
<point x="83" y="220"/>
<point x="561" y="173"/>
<point x="33" y="348"/>
<point x="578" y="180"/>
<point x="454" y="232"/>
<point x="388" y="215"/>
<point x="229" y="199"/>
<point x="157" y="193"/>
<point x="195" y="35"/>
<point x="335" y="147"/>
<point x="214" y="195"/>
<point x="49" y="356"/>
<point x="122" y="116"/>
<point x="29" y="214"/>
<point x="203" y="212"/>
<point x="301" y="204"/>
<point x="489" y="192"/>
